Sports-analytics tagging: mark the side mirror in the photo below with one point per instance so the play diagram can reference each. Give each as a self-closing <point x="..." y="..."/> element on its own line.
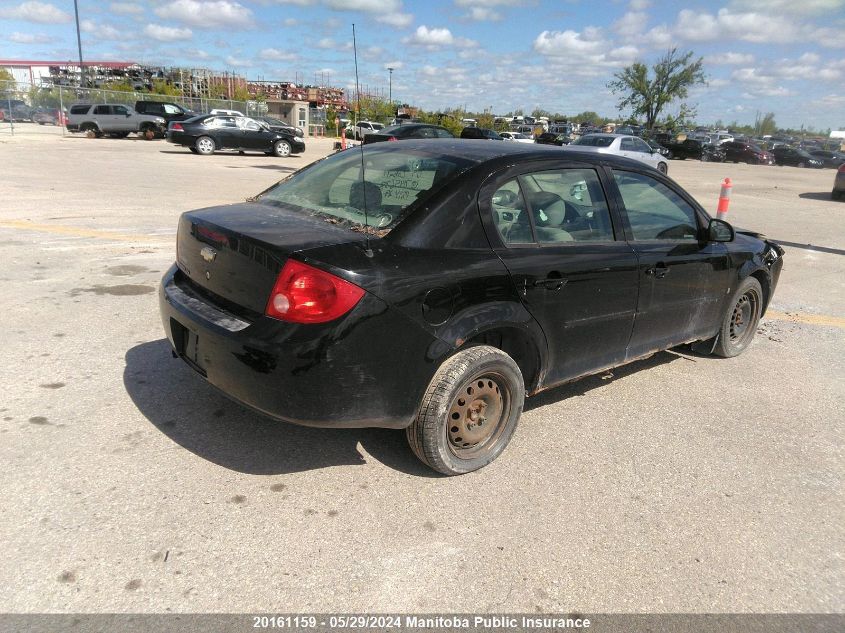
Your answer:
<point x="128" y="114"/>
<point x="720" y="231"/>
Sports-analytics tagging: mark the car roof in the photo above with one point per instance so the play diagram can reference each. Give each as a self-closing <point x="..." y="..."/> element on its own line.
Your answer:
<point x="482" y="150"/>
<point x="409" y="126"/>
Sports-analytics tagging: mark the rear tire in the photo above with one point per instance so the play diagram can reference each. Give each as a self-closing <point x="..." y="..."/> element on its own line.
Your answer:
<point x="739" y="323"/>
<point x="205" y="145"/>
<point x="469" y="412"/>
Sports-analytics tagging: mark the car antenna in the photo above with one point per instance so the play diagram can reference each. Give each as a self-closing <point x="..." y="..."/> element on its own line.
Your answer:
<point x="367" y="250"/>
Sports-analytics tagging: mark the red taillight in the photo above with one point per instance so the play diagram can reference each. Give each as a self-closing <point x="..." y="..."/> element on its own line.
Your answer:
<point x="304" y="294"/>
<point x="842" y="168"/>
<point x="392" y="138"/>
<point x="177" y="127"/>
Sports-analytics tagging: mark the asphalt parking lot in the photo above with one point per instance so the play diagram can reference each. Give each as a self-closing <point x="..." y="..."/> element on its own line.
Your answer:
<point x="680" y="483"/>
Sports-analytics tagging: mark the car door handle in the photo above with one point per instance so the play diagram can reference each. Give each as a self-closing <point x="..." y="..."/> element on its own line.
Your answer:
<point x="551" y="283"/>
<point x="658" y="271"/>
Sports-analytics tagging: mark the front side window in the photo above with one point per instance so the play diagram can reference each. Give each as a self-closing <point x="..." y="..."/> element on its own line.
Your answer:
<point x="552" y="207"/>
<point x="121" y="110"/>
<point x="169" y="108"/>
<point x="655" y="212"/>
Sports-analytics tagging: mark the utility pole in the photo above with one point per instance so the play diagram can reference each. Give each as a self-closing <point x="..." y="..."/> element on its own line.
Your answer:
<point x="390" y="86"/>
<point x="79" y="44"/>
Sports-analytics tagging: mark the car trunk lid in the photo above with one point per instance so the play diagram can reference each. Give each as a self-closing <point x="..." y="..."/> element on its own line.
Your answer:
<point x="235" y="252"/>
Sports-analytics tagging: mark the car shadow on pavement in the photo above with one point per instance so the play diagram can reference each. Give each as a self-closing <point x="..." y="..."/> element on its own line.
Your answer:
<point x="198" y="417"/>
<point x="817" y="195"/>
<point x="588" y="383"/>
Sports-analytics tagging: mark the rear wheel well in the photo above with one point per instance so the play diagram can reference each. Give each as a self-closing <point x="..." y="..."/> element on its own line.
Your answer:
<point x="763" y="278"/>
<point x="519" y="346"/>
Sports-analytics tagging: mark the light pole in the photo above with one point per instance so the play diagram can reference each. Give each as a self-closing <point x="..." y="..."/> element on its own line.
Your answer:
<point x="390" y="86"/>
<point x="79" y="44"/>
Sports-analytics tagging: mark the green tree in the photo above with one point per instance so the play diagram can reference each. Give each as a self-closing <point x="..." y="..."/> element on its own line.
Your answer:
<point x="671" y="78"/>
<point x="767" y="124"/>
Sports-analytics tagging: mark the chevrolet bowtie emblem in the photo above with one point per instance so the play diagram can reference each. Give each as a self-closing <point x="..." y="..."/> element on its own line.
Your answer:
<point x="208" y="253"/>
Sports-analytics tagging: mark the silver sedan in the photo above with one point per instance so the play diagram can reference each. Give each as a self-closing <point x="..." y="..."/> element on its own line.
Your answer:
<point x="621" y="145"/>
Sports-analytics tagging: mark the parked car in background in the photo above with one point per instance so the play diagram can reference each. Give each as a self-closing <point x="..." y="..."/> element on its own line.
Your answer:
<point x="552" y="138"/>
<point x="657" y="147"/>
<point x="15" y="110"/>
<point x="408" y="131"/>
<point x="165" y="109"/>
<point x="516" y="136"/>
<point x="360" y="130"/>
<point x="278" y="125"/>
<point x="695" y="149"/>
<point x="829" y="158"/>
<point x="287" y="303"/>
<point x="480" y="133"/>
<point x="46" y="116"/>
<point x="208" y="133"/>
<point x="838" y="192"/>
<point x="786" y="155"/>
<point x="621" y="145"/>
<point x="745" y="152"/>
<point x="115" y="120"/>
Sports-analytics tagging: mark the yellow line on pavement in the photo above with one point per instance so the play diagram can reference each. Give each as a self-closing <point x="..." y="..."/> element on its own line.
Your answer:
<point x="805" y="317"/>
<point x="58" y="229"/>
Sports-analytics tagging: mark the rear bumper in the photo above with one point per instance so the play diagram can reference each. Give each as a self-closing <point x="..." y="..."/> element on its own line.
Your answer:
<point x="367" y="369"/>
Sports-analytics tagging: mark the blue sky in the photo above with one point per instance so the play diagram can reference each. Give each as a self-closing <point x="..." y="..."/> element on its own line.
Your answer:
<point x="781" y="56"/>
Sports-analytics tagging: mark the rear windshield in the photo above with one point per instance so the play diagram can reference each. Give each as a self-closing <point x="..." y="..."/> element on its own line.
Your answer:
<point x="378" y="192"/>
<point x="595" y="140"/>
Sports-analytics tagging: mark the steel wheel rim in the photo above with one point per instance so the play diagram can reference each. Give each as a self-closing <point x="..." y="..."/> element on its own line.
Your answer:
<point x="477" y="415"/>
<point x="282" y="148"/>
<point x="204" y="145"/>
<point x="743" y="317"/>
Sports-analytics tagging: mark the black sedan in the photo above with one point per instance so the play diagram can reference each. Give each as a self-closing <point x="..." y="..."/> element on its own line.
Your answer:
<point x="207" y="133"/>
<point x="407" y="131"/>
<point x="432" y="285"/>
<point x="791" y="156"/>
<point x="829" y="158"/>
<point x="550" y="138"/>
<point x="278" y="125"/>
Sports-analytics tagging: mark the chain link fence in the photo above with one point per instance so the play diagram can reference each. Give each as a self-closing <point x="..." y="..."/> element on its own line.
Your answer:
<point x="24" y="104"/>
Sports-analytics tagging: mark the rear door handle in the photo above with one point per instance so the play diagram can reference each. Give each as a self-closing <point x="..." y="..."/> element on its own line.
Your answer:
<point x="551" y="283"/>
<point x="658" y="271"/>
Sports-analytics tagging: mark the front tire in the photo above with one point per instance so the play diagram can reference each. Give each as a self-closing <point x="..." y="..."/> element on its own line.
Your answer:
<point x="469" y="412"/>
<point x="741" y="318"/>
<point x="282" y="149"/>
<point x="205" y="145"/>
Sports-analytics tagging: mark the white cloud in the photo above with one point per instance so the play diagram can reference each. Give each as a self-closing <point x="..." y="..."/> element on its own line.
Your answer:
<point x="167" y="33"/>
<point x="367" y="6"/>
<point x="275" y="55"/>
<point x="207" y="13"/>
<point x="757" y="27"/>
<point x="560" y="44"/>
<point x="34" y="11"/>
<point x="28" y="38"/>
<point x="395" y="65"/>
<point x="483" y="14"/>
<point x="326" y="43"/>
<point x="805" y="7"/>
<point x="632" y="24"/>
<point x="489" y="3"/>
<point x="729" y="59"/>
<point x="126" y="8"/>
<point x="399" y="20"/>
<point x="290" y="22"/>
<point x="434" y="38"/>
<point x="239" y="62"/>
<point x="101" y="31"/>
<point x="639" y="5"/>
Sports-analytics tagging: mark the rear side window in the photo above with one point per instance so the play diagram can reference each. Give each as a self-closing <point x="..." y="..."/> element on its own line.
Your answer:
<point x="655" y="212"/>
<point x="390" y="183"/>
<point x="102" y="109"/>
<point x="442" y="133"/>
<point x="80" y="109"/>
